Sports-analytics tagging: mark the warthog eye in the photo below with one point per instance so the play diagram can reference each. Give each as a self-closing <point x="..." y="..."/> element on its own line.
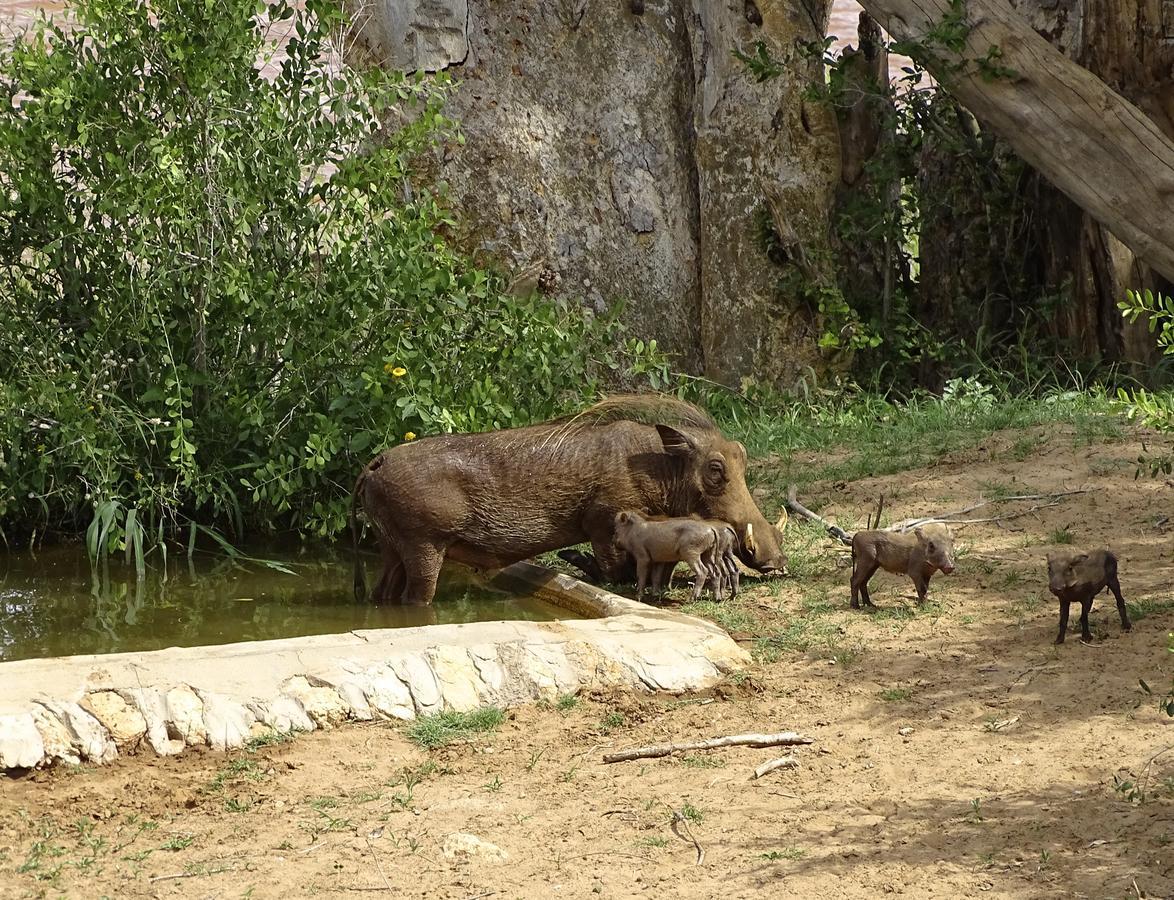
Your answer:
<point x="931" y="548"/>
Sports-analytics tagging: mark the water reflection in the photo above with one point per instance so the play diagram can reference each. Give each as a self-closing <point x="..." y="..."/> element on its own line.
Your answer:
<point x="53" y="603"/>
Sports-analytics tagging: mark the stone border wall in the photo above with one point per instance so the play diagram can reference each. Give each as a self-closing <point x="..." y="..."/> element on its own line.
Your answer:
<point x="93" y="708"/>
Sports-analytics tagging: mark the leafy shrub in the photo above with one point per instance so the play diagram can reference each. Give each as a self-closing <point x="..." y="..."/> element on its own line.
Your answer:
<point x="221" y="290"/>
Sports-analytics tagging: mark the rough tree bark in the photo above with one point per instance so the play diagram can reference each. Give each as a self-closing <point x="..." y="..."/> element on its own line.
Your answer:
<point x="1129" y="47"/>
<point x="1059" y="117"/>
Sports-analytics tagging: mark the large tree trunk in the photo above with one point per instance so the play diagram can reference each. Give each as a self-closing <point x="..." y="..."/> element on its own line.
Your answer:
<point x="1057" y="116"/>
<point x="619" y="150"/>
<point x="1126" y="46"/>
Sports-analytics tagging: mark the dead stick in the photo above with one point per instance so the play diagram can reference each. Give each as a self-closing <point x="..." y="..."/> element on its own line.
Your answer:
<point x="783" y="739"/>
<point x="783" y="762"/>
<point x="929" y="520"/>
<point x="880" y="505"/>
<point x="1026" y="512"/>
<point x="799" y="509"/>
<point x="679" y="819"/>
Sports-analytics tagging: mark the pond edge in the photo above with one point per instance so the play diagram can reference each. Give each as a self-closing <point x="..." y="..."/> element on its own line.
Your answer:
<point x="95" y="708"/>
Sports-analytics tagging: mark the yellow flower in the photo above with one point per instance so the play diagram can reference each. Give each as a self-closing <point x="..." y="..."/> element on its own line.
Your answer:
<point x="399" y="372"/>
<point x="40" y="448"/>
<point x="387" y="368"/>
<point x="138" y="476"/>
<point x="410" y="436"/>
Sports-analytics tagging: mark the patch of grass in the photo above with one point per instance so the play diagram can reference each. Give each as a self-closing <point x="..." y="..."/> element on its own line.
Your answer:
<point x="569" y="775"/>
<point x="271" y="738"/>
<point x="807" y="550"/>
<point x="798" y="636"/>
<point x="535" y="755"/>
<point x="566" y="703"/>
<point x="847" y="654"/>
<point x="318" y="804"/>
<point x="410" y="777"/>
<point x="178" y="842"/>
<point x="698" y="761"/>
<point x="654" y="840"/>
<point x="1092" y="429"/>
<point x="818" y="601"/>
<point x="881" y="436"/>
<point x="1140" y="609"/>
<point x="1024" y="446"/>
<point x="494" y="786"/>
<point x="240" y="769"/>
<point x="729" y="614"/>
<point x="1011" y="578"/>
<point x="612" y="720"/>
<point x="692" y="813"/>
<point x="233" y="804"/>
<point x="1001" y="490"/>
<point x="1061" y="536"/>
<point x="365" y="796"/>
<point x="37" y="862"/>
<point x="896" y="694"/>
<point x="895" y="612"/>
<point x="975" y="814"/>
<point x="785" y="853"/>
<point x="441" y="729"/>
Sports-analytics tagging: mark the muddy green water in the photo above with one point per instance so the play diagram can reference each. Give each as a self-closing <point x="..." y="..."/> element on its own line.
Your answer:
<point x="52" y="603"/>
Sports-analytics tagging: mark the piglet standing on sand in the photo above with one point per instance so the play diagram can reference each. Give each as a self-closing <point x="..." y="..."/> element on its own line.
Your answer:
<point x="1075" y="576"/>
<point x="918" y="554"/>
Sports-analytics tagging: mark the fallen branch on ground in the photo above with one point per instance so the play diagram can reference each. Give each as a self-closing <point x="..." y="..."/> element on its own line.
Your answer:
<point x="880" y="505"/>
<point x="951" y="517"/>
<point x="679" y="819"/>
<point x="783" y="762"/>
<point x="799" y="509"/>
<point x="783" y="739"/>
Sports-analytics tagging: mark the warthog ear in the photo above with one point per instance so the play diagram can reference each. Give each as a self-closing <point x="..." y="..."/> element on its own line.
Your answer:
<point x="676" y="443"/>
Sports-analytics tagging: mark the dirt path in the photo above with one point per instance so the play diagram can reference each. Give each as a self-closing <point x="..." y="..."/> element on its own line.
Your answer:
<point x="1010" y="783"/>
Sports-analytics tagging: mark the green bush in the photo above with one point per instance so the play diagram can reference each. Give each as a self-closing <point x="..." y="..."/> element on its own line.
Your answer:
<point x="221" y="292"/>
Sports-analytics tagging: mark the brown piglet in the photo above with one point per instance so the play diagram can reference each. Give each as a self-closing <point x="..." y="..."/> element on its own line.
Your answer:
<point x="918" y="554"/>
<point x="1076" y="576"/>
<point x="650" y="542"/>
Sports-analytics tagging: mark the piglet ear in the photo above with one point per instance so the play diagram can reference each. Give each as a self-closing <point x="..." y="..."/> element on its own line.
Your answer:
<point x="920" y="534"/>
<point x="1079" y="559"/>
<point x="676" y="443"/>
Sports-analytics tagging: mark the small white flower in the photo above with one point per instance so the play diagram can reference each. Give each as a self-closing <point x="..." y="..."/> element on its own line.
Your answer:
<point x="32" y="496"/>
<point x="44" y="426"/>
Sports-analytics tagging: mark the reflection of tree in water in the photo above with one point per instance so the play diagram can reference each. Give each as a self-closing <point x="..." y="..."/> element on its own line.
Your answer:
<point x="54" y="603"/>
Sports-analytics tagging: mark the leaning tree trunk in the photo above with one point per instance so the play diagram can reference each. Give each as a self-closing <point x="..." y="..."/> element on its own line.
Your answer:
<point x="1128" y="46"/>
<point x="1056" y="115"/>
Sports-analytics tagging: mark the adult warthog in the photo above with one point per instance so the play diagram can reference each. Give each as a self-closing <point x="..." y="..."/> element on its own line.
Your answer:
<point x="487" y="500"/>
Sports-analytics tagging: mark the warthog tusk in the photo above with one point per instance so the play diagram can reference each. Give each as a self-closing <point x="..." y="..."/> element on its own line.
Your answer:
<point x="750" y="537"/>
<point x="781" y="524"/>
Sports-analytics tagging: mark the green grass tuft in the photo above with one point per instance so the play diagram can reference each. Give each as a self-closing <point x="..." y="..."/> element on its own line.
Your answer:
<point x="440" y="729"/>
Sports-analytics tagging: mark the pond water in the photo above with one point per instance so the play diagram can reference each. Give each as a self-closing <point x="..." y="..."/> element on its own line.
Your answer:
<point x="53" y="603"/>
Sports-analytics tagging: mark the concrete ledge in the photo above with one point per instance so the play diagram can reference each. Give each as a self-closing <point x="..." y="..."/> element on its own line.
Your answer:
<point x="93" y="708"/>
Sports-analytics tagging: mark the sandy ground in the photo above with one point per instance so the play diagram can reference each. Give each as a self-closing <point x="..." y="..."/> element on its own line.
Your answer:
<point x="1011" y="780"/>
